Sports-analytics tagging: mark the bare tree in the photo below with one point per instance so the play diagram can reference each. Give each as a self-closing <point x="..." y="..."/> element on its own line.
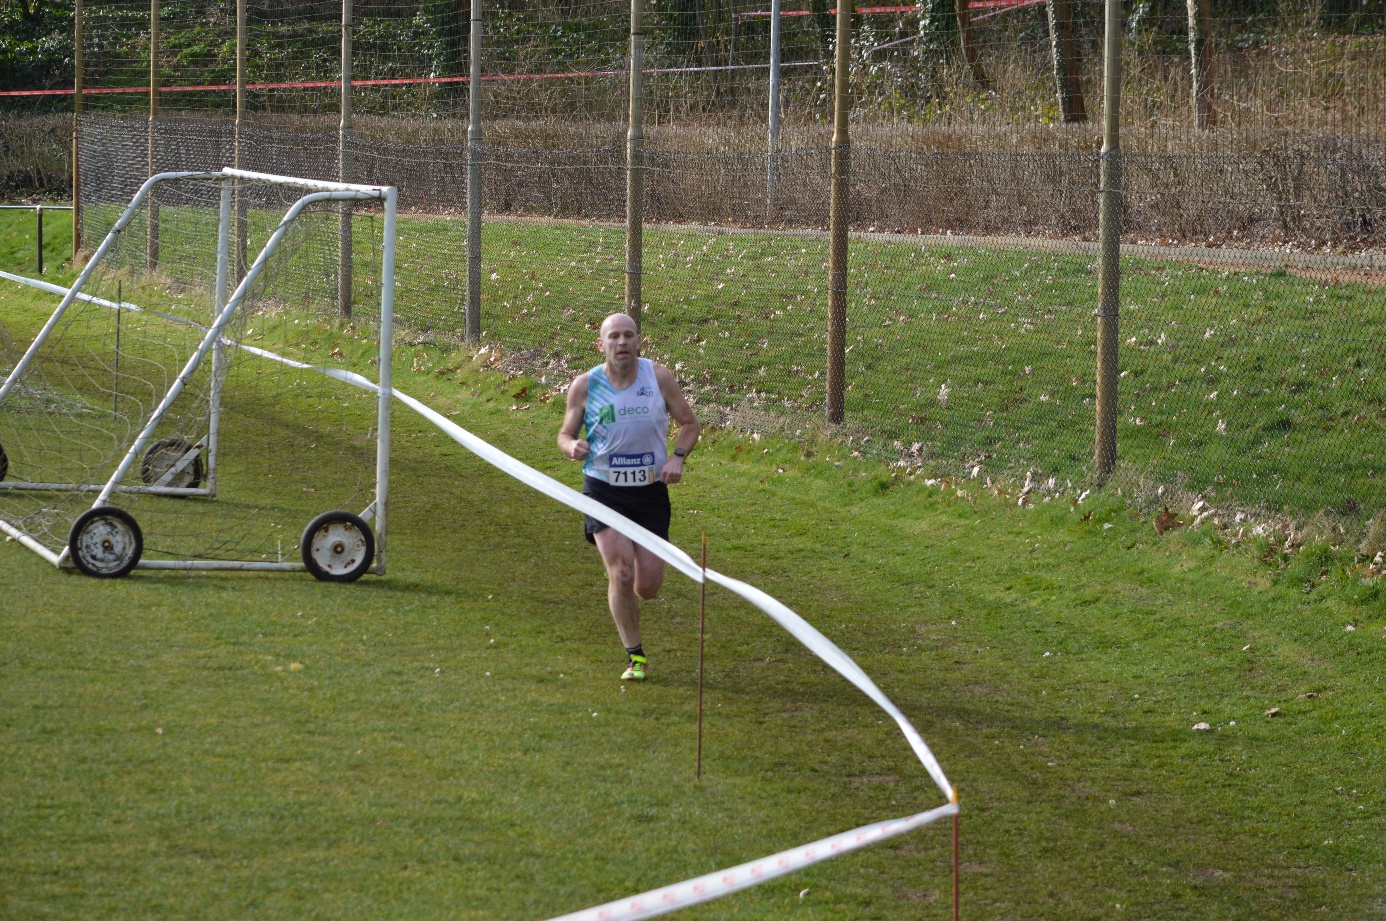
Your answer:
<point x="969" y="48"/>
<point x="1066" y="72"/>
<point x="1201" y="53"/>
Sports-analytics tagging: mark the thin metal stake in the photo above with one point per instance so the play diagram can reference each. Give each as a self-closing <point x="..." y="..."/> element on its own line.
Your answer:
<point x="702" y="637"/>
<point x="956" y="866"/>
<point x="115" y="387"/>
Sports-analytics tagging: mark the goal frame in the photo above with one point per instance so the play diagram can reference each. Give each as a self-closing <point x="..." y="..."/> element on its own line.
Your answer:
<point x="213" y="343"/>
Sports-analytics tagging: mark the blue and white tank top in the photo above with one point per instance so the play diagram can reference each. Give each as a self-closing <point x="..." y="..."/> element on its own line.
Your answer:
<point x="627" y="430"/>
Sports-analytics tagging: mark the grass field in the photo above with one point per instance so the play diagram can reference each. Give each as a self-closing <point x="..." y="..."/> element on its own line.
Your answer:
<point x="456" y="744"/>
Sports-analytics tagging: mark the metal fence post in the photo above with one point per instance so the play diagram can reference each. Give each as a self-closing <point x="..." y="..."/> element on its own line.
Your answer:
<point x="344" y="255"/>
<point x="241" y="204"/>
<point x="77" y="77"/>
<point x="474" y="153"/>
<point x="152" y="234"/>
<point x="38" y="214"/>
<point x="1109" y="235"/>
<point x="773" y="138"/>
<point x="635" y="143"/>
<point x="837" y="221"/>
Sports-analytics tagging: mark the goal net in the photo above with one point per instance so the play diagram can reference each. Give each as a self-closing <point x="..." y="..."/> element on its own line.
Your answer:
<point x="215" y="382"/>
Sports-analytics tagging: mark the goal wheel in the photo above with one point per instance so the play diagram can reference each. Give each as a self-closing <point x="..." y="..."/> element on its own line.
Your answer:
<point x="4" y="463"/>
<point x="166" y="453"/>
<point x="338" y="547"/>
<point x="105" y="542"/>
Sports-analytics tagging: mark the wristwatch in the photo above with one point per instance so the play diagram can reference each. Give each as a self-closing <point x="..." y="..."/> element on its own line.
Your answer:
<point x="680" y="452"/>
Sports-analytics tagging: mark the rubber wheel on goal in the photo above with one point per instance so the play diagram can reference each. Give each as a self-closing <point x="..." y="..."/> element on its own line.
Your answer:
<point x="105" y="542"/>
<point x="162" y="455"/>
<point x="338" y="547"/>
<point x="4" y="463"/>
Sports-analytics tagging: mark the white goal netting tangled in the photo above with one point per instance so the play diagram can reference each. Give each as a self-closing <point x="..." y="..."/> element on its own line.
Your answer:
<point x="156" y="390"/>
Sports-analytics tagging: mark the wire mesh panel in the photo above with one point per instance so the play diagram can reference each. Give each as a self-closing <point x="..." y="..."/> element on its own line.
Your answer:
<point x="1255" y="383"/>
<point x="1247" y="130"/>
<point x="233" y="451"/>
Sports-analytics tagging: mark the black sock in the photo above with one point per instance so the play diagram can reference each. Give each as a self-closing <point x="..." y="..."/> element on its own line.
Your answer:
<point x="637" y="651"/>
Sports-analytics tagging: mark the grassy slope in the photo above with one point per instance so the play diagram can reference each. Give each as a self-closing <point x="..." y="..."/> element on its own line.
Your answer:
<point x="1256" y="387"/>
<point x="1260" y="387"/>
<point x="162" y="758"/>
<point x="18" y="242"/>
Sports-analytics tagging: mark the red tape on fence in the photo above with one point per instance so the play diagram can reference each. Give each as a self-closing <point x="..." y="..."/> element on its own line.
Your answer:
<point x="395" y="81"/>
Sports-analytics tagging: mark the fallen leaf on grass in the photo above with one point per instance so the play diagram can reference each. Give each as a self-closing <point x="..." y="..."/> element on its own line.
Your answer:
<point x="1273" y="711"/>
<point x="1166" y="521"/>
<point x="1201" y="727"/>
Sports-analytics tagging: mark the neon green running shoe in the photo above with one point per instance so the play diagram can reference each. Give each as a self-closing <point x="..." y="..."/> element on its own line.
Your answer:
<point x="635" y="671"/>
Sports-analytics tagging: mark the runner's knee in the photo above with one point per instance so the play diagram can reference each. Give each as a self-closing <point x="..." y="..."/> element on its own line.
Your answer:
<point x="622" y="573"/>
<point x="649" y="576"/>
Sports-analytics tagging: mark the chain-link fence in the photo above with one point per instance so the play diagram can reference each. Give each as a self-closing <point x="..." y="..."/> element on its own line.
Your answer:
<point x="1254" y="211"/>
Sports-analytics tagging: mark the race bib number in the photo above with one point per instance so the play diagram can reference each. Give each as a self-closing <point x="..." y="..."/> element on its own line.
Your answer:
<point x="632" y="469"/>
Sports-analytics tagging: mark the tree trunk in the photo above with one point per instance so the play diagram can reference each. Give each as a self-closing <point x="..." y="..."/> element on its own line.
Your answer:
<point x="1066" y="74"/>
<point x="1201" y="52"/>
<point x="969" y="48"/>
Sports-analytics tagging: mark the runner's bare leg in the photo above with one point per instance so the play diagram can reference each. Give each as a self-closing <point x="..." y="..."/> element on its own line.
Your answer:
<point x="619" y="558"/>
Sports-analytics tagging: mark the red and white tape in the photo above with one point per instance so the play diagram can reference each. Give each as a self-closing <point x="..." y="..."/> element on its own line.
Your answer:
<point x="394" y="81"/>
<point x="724" y="882"/>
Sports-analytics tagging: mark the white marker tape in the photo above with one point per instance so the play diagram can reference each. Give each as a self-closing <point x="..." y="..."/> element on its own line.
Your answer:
<point x="724" y="882"/>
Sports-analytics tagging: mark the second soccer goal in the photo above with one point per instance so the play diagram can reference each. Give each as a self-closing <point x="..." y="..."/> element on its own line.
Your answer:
<point x="213" y="392"/>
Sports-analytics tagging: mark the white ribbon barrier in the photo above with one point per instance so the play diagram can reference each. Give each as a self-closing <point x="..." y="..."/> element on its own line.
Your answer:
<point x="724" y="882"/>
<point x="713" y="885"/>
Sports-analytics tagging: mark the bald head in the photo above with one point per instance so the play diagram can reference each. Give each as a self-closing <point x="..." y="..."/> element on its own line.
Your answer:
<point x="616" y="320"/>
<point x="620" y="343"/>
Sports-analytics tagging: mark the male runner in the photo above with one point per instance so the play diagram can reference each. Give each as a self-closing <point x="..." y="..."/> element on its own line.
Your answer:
<point x="625" y="404"/>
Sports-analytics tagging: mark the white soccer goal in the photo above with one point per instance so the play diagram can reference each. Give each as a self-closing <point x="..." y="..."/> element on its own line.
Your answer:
<point x="168" y="415"/>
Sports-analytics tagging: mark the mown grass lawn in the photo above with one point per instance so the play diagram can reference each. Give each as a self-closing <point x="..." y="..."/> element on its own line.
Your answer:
<point x="456" y="742"/>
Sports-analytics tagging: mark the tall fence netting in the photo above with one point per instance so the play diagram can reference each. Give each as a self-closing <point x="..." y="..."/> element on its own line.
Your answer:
<point x="1254" y="208"/>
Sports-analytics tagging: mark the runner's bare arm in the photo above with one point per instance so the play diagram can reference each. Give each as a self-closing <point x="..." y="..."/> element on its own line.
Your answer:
<point x="681" y="413"/>
<point x="568" y="441"/>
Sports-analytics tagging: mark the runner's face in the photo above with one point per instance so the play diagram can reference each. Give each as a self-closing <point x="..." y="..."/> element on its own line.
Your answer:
<point x="620" y="341"/>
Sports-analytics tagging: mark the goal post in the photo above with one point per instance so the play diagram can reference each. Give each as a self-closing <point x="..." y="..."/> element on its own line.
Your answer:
<point x="147" y="402"/>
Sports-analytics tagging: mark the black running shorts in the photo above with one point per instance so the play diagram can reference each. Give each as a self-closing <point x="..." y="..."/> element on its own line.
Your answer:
<point x="647" y="506"/>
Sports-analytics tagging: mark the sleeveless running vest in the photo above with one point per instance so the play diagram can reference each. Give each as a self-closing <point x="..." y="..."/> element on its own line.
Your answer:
<point x="627" y="430"/>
